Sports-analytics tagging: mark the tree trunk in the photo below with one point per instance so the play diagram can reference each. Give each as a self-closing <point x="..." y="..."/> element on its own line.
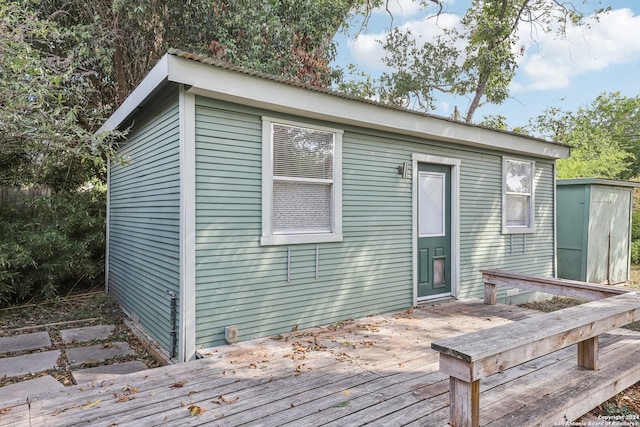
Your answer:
<point x="482" y="85"/>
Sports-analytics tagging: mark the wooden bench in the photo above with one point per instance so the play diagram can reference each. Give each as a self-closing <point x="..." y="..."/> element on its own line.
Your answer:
<point x="471" y="357"/>
<point x="562" y="287"/>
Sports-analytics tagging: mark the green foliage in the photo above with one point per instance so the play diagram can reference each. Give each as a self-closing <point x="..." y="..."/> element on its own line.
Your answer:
<point x="604" y="137"/>
<point x="601" y="159"/>
<point x="49" y="106"/>
<point x="51" y="245"/>
<point x="119" y="41"/>
<point x="419" y="71"/>
<point x="635" y="252"/>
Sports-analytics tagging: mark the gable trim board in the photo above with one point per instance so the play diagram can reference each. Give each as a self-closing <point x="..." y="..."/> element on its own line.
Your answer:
<point x="187" y="340"/>
<point x="216" y="277"/>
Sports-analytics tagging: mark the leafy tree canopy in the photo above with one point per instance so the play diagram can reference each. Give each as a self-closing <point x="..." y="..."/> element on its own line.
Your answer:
<point x="49" y="105"/>
<point x="604" y="136"/>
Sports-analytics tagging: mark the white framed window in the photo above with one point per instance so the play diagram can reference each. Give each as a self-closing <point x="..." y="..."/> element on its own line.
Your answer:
<point x="301" y="183"/>
<point x="518" y="196"/>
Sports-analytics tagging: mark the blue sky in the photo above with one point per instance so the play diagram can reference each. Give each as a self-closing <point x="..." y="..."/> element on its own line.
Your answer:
<point x="553" y="72"/>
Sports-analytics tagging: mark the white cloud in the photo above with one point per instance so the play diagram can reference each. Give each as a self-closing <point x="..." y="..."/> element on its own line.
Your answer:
<point x="551" y="62"/>
<point x="367" y="51"/>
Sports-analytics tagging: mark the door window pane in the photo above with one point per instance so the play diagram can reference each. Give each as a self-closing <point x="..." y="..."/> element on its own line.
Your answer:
<point x="431" y="204"/>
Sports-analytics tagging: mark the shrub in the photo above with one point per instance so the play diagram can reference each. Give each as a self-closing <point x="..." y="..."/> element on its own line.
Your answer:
<point x="51" y="245"/>
<point x="635" y="226"/>
<point x="635" y="252"/>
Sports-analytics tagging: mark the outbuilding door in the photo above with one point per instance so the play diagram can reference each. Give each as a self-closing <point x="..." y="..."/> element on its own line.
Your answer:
<point x="434" y="230"/>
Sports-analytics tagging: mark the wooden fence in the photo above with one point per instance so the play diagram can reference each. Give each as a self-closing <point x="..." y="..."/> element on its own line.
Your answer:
<point x="12" y="194"/>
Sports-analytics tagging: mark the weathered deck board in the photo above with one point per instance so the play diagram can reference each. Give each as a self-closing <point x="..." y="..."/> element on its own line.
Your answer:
<point x="379" y="370"/>
<point x="511" y="395"/>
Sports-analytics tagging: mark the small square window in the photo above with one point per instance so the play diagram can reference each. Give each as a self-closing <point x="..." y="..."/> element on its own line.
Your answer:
<point x="518" y="204"/>
<point x="301" y="187"/>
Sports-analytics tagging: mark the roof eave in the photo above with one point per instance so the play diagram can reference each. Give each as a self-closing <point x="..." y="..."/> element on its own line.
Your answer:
<point x="597" y="181"/>
<point x="273" y="95"/>
<point x="152" y="82"/>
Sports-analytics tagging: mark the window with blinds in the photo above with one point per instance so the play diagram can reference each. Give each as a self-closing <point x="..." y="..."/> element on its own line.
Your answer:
<point x="300" y="179"/>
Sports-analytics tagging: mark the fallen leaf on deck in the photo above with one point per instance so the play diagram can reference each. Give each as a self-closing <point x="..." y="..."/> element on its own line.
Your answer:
<point x="177" y="385"/>
<point x="123" y="397"/>
<point x="342" y="404"/>
<point x="129" y="389"/>
<point x="91" y="404"/>
<point x="221" y="399"/>
<point x="195" y="410"/>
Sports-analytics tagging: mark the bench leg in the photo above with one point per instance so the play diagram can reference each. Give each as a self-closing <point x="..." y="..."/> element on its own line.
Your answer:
<point x="490" y="294"/>
<point x="588" y="353"/>
<point x="464" y="403"/>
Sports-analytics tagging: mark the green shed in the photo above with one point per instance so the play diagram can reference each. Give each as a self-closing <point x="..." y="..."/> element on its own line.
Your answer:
<point x="594" y="229"/>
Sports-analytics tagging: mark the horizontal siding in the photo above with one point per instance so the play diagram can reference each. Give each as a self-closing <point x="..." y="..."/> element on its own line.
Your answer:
<point x="242" y="283"/>
<point x="144" y="222"/>
<point x="482" y="246"/>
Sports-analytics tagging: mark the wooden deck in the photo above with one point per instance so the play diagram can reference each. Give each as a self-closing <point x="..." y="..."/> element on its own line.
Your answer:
<point x="379" y="371"/>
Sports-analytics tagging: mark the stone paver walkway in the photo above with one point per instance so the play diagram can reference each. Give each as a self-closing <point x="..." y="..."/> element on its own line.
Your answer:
<point x="25" y="342"/>
<point x="97" y="353"/>
<point x="29" y="363"/>
<point x="42" y="358"/>
<point x="88" y="333"/>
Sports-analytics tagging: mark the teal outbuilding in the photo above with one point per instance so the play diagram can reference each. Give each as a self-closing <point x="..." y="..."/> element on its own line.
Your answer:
<point x="594" y="229"/>
<point x="244" y="205"/>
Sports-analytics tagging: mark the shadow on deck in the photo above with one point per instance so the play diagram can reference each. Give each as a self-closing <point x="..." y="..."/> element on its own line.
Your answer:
<point x="379" y="370"/>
